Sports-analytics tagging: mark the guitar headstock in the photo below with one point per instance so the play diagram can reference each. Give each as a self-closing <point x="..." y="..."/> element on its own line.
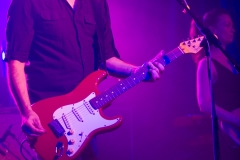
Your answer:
<point x="192" y="45"/>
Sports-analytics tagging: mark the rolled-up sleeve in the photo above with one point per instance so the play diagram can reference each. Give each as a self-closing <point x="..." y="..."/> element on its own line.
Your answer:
<point x="19" y="31"/>
<point x="110" y="49"/>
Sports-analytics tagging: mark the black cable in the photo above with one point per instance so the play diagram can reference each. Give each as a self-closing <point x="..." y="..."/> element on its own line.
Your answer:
<point x="21" y="147"/>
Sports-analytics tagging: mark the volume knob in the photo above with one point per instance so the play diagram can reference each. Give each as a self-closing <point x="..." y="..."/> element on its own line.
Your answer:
<point x="72" y="141"/>
<point x="70" y="132"/>
<point x="70" y="151"/>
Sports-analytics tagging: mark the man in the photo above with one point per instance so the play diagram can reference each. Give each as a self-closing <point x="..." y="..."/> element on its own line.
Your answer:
<point x="55" y="44"/>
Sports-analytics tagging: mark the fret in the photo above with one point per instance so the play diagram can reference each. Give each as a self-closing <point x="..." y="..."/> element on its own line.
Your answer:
<point x="130" y="81"/>
<point x="135" y="80"/>
<point x="141" y="74"/>
<point x="121" y="86"/>
<point x="113" y="93"/>
<point x="94" y="103"/>
<point x="103" y="98"/>
<point x="116" y="90"/>
<point x="174" y="54"/>
<point x="98" y="101"/>
<point x="169" y="57"/>
<point x="161" y="60"/>
<point x="106" y="96"/>
<point x="126" y="84"/>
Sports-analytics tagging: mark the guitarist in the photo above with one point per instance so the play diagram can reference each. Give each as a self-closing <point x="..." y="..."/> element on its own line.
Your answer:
<point x="52" y="47"/>
<point x="226" y="79"/>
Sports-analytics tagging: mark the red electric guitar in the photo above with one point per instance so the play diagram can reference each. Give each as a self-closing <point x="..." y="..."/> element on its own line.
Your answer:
<point x="71" y="120"/>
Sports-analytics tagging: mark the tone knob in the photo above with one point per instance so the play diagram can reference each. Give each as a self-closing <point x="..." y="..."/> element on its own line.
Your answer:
<point x="70" y="132"/>
<point x="72" y="141"/>
<point x="70" y="151"/>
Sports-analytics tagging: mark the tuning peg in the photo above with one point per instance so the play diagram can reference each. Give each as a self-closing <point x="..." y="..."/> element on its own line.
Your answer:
<point x="184" y="42"/>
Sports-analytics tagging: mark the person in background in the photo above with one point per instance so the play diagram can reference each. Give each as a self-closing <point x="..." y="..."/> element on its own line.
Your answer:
<point x="225" y="78"/>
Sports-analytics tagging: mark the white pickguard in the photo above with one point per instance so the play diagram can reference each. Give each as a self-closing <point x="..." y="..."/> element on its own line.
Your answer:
<point x="82" y="119"/>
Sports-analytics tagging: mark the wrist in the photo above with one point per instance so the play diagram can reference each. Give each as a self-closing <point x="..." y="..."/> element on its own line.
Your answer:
<point x="27" y="112"/>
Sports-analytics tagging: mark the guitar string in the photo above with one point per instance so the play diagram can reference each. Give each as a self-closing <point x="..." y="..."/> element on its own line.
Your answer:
<point x="72" y="118"/>
<point x="71" y="114"/>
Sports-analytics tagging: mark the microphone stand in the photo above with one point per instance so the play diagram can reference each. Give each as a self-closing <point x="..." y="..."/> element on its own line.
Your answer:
<point x="210" y="39"/>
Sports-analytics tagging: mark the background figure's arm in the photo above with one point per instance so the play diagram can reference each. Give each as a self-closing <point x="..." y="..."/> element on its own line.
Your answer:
<point x="204" y="97"/>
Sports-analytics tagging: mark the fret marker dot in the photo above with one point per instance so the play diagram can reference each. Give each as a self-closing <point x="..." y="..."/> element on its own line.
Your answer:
<point x="96" y="101"/>
<point x="106" y="95"/>
<point x="101" y="99"/>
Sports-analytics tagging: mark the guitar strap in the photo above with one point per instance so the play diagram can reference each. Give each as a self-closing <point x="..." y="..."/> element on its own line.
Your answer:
<point x="98" y="15"/>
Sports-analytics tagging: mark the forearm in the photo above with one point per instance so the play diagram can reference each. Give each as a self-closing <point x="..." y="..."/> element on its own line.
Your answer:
<point x="18" y="86"/>
<point x="222" y="114"/>
<point x="204" y="94"/>
<point x="118" y="68"/>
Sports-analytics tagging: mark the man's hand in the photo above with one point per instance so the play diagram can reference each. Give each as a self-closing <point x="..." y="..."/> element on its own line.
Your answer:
<point x="32" y="125"/>
<point x="155" y="68"/>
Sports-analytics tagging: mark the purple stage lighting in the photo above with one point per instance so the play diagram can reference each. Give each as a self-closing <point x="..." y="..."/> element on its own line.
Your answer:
<point x="3" y="50"/>
<point x="3" y="55"/>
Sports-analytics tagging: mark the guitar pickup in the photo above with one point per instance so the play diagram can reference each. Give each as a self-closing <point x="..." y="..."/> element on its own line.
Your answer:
<point x="56" y="128"/>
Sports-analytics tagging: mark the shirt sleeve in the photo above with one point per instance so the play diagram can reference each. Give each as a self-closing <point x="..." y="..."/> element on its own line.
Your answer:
<point x="110" y="49"/>
<point x="19" y="31"/>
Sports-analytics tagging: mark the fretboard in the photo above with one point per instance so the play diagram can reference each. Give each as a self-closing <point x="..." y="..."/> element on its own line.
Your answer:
<point x="124" y="85"/>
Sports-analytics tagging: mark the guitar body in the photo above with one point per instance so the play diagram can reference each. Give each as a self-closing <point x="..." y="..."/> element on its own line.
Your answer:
<point x="78" y="120"/>
<point x="231" y="130"/>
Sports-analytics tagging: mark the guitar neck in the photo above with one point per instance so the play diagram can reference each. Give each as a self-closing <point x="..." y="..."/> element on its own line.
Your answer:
<point x="124" y="85"/>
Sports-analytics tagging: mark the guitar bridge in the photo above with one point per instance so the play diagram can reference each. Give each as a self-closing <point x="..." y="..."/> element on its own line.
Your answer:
<point x="56" y="128"/>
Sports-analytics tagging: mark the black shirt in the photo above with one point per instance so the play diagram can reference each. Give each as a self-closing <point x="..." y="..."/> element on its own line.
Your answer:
<point x="226" y="88"/>
<point x="59" y="43"/>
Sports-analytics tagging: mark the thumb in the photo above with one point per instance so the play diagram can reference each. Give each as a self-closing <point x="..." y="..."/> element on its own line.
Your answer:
<point x="38" y="125"/>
